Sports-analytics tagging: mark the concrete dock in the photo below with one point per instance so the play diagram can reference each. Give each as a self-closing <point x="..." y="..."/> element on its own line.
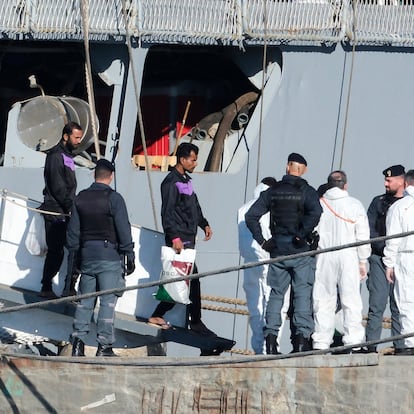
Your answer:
<point x="359" y="383"/>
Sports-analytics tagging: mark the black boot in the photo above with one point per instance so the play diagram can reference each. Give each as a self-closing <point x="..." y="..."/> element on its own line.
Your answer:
<point x="271" y="345"/>
<point x="105" y="351"/>
<point x="301" y="344"/>
<point x="78" y="347"/>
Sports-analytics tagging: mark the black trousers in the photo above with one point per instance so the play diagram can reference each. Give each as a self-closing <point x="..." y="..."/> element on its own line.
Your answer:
<point x="55" y="240"/>
<point x="193" y="309"/>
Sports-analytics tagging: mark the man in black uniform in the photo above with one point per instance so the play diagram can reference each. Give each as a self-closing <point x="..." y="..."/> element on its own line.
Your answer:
<point x="59" y="192"/>
<point x="181" y="216"/>
<point x="379" y="288"/>
<point x="100" y="232"/>
<point x="294" y="212"/>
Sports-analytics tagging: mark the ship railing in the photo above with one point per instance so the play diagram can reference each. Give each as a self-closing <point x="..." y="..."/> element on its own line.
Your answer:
<point x="200" y="22"/>
<point x="293" y="21"/>
<point x="383" y="22"/>
<point x="214" y="21"/>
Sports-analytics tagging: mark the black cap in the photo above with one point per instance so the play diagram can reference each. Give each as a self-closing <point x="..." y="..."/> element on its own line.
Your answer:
<point x="107" y="165"/>
<point x="394" y="171"/>
<point x="295" y="157"/>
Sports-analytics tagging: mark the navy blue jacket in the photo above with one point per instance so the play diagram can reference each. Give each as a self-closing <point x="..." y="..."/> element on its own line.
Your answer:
<point x="312" y="211"/>
<point x="102" y="251"/>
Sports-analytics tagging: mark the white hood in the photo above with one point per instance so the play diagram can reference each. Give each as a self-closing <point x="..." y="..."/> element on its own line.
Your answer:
<point x="335" y="193"/>
<point x="261" y="187"/>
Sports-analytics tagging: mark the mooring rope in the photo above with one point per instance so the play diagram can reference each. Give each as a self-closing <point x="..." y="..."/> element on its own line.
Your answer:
<point x="225" y="309"/>
<point x="231" y="301"/>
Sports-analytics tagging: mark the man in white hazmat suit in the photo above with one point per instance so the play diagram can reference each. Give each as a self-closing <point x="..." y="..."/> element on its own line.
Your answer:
<point x="399" y="259"/>
<point x="344" y="220"/>
<point x="255" y="281"/>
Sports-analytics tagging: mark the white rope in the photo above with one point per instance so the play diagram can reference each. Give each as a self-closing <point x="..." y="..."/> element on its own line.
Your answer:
<point x="5" y="196"/>
<point x="88" y="76"/>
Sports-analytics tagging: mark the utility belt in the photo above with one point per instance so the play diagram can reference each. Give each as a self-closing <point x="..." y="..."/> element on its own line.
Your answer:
<point x="100" y="243"/>
<point x="283" y="231"/>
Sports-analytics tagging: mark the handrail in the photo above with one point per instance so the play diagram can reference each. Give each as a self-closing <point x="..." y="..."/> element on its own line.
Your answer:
<point x="371" y="22"/>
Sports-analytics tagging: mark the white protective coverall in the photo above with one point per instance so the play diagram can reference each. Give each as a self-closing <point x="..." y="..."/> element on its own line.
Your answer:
<point x="255" y="279"/>
<point x="344" y="220"/>
<point x="399" y="255"/>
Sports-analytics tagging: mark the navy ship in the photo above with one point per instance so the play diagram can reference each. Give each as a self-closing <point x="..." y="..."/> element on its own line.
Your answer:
<point x="247" y="81"/>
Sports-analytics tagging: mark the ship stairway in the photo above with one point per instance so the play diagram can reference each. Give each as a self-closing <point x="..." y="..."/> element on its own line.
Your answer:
<point x="52" y="324"/>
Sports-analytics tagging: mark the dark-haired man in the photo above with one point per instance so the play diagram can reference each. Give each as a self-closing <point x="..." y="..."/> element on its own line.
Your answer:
<point x="294" y="212"/>
<point x="59" y="192"/>
<point x="181" y="216"/>
<point x="379" y="288"/>
<point x="100" y="232"/>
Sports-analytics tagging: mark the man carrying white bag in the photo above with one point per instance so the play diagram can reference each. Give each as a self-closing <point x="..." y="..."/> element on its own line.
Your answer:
<point x="176" y="265"/>
<point x="181" y="217"/>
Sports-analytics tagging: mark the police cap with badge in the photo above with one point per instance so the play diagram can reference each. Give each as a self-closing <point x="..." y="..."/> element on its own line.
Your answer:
<point x="394" y="171"/>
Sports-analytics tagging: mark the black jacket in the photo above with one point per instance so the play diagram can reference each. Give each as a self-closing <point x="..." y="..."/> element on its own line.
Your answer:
<point x="180" y="211"/>
<point x="60" y="180"/>
<point x="309" y="219"/>
<point x="377" y="213"/>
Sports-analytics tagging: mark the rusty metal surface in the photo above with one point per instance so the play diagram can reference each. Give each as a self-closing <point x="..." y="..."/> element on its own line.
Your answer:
<point x="173" y="385"/>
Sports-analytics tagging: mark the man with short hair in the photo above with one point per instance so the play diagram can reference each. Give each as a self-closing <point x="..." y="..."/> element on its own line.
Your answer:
<point x="294" y="212"/>
<point x="343" y="221"/>
<point x="59" y="192"/>
<point x="100" y="232"/>
<point x="398" y="259"/>
<point x="379" y="288"/>
<point x="181" y="216"/>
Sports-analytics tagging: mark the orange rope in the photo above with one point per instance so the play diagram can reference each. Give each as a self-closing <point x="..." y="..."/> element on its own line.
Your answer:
<point x="335" y="213"/>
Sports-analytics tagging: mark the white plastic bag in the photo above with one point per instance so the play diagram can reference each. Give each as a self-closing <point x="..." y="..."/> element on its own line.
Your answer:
<point x="175" y="265"/>
<point x="36" y="236"/>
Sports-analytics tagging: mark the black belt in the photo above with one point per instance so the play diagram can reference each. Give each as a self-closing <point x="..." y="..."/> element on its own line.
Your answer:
<point x="100" y="243"/>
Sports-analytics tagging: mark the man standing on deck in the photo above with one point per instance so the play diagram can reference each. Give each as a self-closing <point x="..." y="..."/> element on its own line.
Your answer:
<point x="399" y="262"/>
<point x="100" y="232"/>
<point x="379" y="288"/>
<point x="181" y="216"/>
<point x="294" y="212"/>
<point x="344" y="220"/>
<point x="59" y="192"/>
